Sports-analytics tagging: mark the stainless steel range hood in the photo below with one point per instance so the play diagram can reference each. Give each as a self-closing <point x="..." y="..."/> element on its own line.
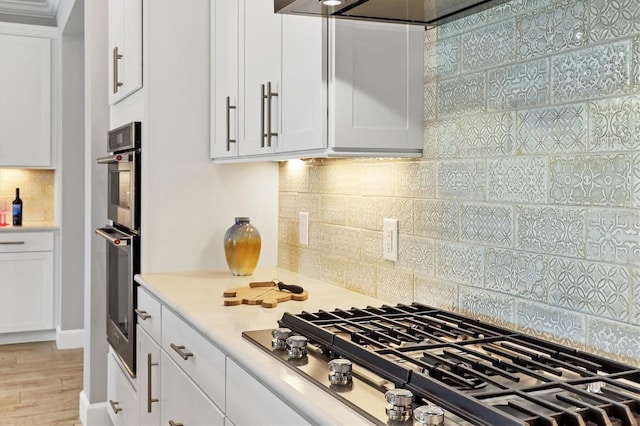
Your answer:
<point x="428" y="13"/>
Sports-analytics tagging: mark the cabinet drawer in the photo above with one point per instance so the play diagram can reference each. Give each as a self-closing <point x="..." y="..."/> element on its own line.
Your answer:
<point x="122" y="399"/>
<point x="197" y="356"/>
<point x="182" y="401"/>
<point x="149" y="314"/>
<point x="16" y="242"/>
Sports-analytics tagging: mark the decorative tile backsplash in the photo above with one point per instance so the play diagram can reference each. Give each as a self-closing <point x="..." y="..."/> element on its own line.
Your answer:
<point x="36" y="192"/>
<point x="525" y="207"/>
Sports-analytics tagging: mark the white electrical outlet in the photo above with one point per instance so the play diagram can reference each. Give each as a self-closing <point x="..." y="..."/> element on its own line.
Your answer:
<point x="390" y="239"/>
<point x="303" y="228"/>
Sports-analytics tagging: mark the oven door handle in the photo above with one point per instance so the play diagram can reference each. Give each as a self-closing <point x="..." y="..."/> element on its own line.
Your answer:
<point x="116" y="158"/>
<point x="116" y="238"/>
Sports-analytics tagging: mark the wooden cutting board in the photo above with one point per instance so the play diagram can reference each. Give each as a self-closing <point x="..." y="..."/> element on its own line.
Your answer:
<point x="268" y="297"/>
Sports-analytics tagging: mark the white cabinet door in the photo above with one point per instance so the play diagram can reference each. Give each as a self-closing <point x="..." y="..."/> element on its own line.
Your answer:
<point x="148" y="371"/>
<point x="182" y="401"/>
<point x="122" y="399"/>
<point x="259" y="65"/>
<point x="25" y="101"/>
<point x="26" y="291"/>
<point x="303" y="93"/>
<point x="266" y="408"/>
<point x="376" y="99"/>
<point x="125" y="48"/>
<point x="224" y="96"/>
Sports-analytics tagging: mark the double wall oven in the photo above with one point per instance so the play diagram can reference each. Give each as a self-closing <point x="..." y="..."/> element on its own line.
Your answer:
<point x="122" y="235"/>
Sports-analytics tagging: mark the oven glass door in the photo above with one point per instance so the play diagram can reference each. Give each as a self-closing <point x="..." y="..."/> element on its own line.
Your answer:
<point x="123" y="189"/>
<point x="122" y="257"/>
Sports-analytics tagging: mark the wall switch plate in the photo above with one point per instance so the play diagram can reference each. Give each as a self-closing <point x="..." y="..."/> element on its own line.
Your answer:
<point x="303" y="228"/>
<point x="390" y="239"/>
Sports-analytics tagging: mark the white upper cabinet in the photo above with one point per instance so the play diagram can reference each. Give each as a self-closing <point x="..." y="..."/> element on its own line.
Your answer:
<point x="338" y="88"/>
<point x="125" y="48"/>
<point x="25" y="101"/>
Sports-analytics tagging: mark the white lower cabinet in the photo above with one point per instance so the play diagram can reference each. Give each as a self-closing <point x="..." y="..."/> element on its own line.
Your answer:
<point x="26" y="281"/>
<point x="182" y="401"/>
<point x="122" y="399"/>
<point x="266" y="408"/>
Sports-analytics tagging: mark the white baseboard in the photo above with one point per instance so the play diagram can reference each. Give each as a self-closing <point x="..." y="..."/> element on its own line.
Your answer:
<point x="69" y="339"/>
<point x="27" y="336"/>
<point x="93" y="414"/>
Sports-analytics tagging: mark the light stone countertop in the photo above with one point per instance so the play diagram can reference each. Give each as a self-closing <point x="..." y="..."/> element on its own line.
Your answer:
<point x="197" y="297"/>
<point x="31" y="227"/>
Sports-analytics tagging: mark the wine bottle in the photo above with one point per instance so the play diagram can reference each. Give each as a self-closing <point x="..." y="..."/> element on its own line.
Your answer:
<point x="17" y="209"/>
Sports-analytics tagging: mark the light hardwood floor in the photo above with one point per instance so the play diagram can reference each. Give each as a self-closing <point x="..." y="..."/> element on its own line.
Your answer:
<point x="39" y="384"/>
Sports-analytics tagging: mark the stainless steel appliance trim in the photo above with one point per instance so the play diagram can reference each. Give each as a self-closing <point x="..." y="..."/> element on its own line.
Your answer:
<point x="120" y="240"/>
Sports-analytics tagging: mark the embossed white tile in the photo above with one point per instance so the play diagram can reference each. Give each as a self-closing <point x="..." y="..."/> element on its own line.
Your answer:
<point x="622" y="341"/>
<point x="488" y="224"/>
<point x="517" y="273"/>
<point x="589" y="287"/>
<point x="293" y="176"/>
<point x="416" y="254"/>
<point x="551" y="230"/>
<point x="460" y="25"/>
<point x="430" y="102"/>
<point x="378" y="178"/>
<point x="396" y="208"/>
<point x="603" y="180"/>
<point x="415" y="179"/>
<point x="439" y="294"/>
<point x="436" y="219"/>
<point x="515" y="179"/>
<point x="462" y="95"/>
<point x="461" y="180"/>
<point x="614" y="124"/>
<point x="489" y="46"/>
<point x="347" y="178"/>
<point x="635" y="181"/>
<point x="288" y="231"/>
<point x="635" y="296"/>
<point x="552" y="130"/>
<point x="591" y="73"/>
<point x="636" y="65"/>
<point x="309" y="263"/>
<point x="482" y="135"/>
<point x="460" y="263"/>
<point x="347" y="242"/>
<point x="543" y="321"/>
<point x="513" y="8"/>
<point x="309" y="203"/>
<point x="288" y="205"/>
<point x="524" y="84"/>
<point x="321" y="236"/>
<point x="552" y="29"/>
<point x="492" y="307"/>
<point x="441" y="58"/>
<point x="332" y="269"/>
<point x="361" y="277"/>
<point x="372" y="248"/>
<point x="361" y="212"/>
<point x="333" y="209"/>
<point x="613" y="235"/>
<point x="288" y="257"/>
<point x="394" y="286"/>
<point x="613" y="19"/>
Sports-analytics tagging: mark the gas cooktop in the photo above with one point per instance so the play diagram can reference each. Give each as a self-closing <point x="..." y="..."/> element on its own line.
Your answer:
<point x="405" y="363"/>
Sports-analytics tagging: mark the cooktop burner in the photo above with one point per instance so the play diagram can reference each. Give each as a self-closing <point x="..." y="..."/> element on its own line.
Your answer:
<point x="478" y="373"/>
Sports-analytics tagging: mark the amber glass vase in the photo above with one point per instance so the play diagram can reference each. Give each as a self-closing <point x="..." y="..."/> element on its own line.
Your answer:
<point x="242" y="247"/>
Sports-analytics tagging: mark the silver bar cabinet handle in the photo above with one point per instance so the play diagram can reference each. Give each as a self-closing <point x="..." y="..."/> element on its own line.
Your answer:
<point x="229" y="108"/>
<point x="172" y="423"/>
<point x="143" y="315"/>
<point x="179" y="349"/>
<point x="263" y="96"/>
<point x="270" y="96"/>
<point x="11" y="243"/>
<point x="149" y="399"/>
<point x="114" y="406"/>
<point x="116" y="58"/>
